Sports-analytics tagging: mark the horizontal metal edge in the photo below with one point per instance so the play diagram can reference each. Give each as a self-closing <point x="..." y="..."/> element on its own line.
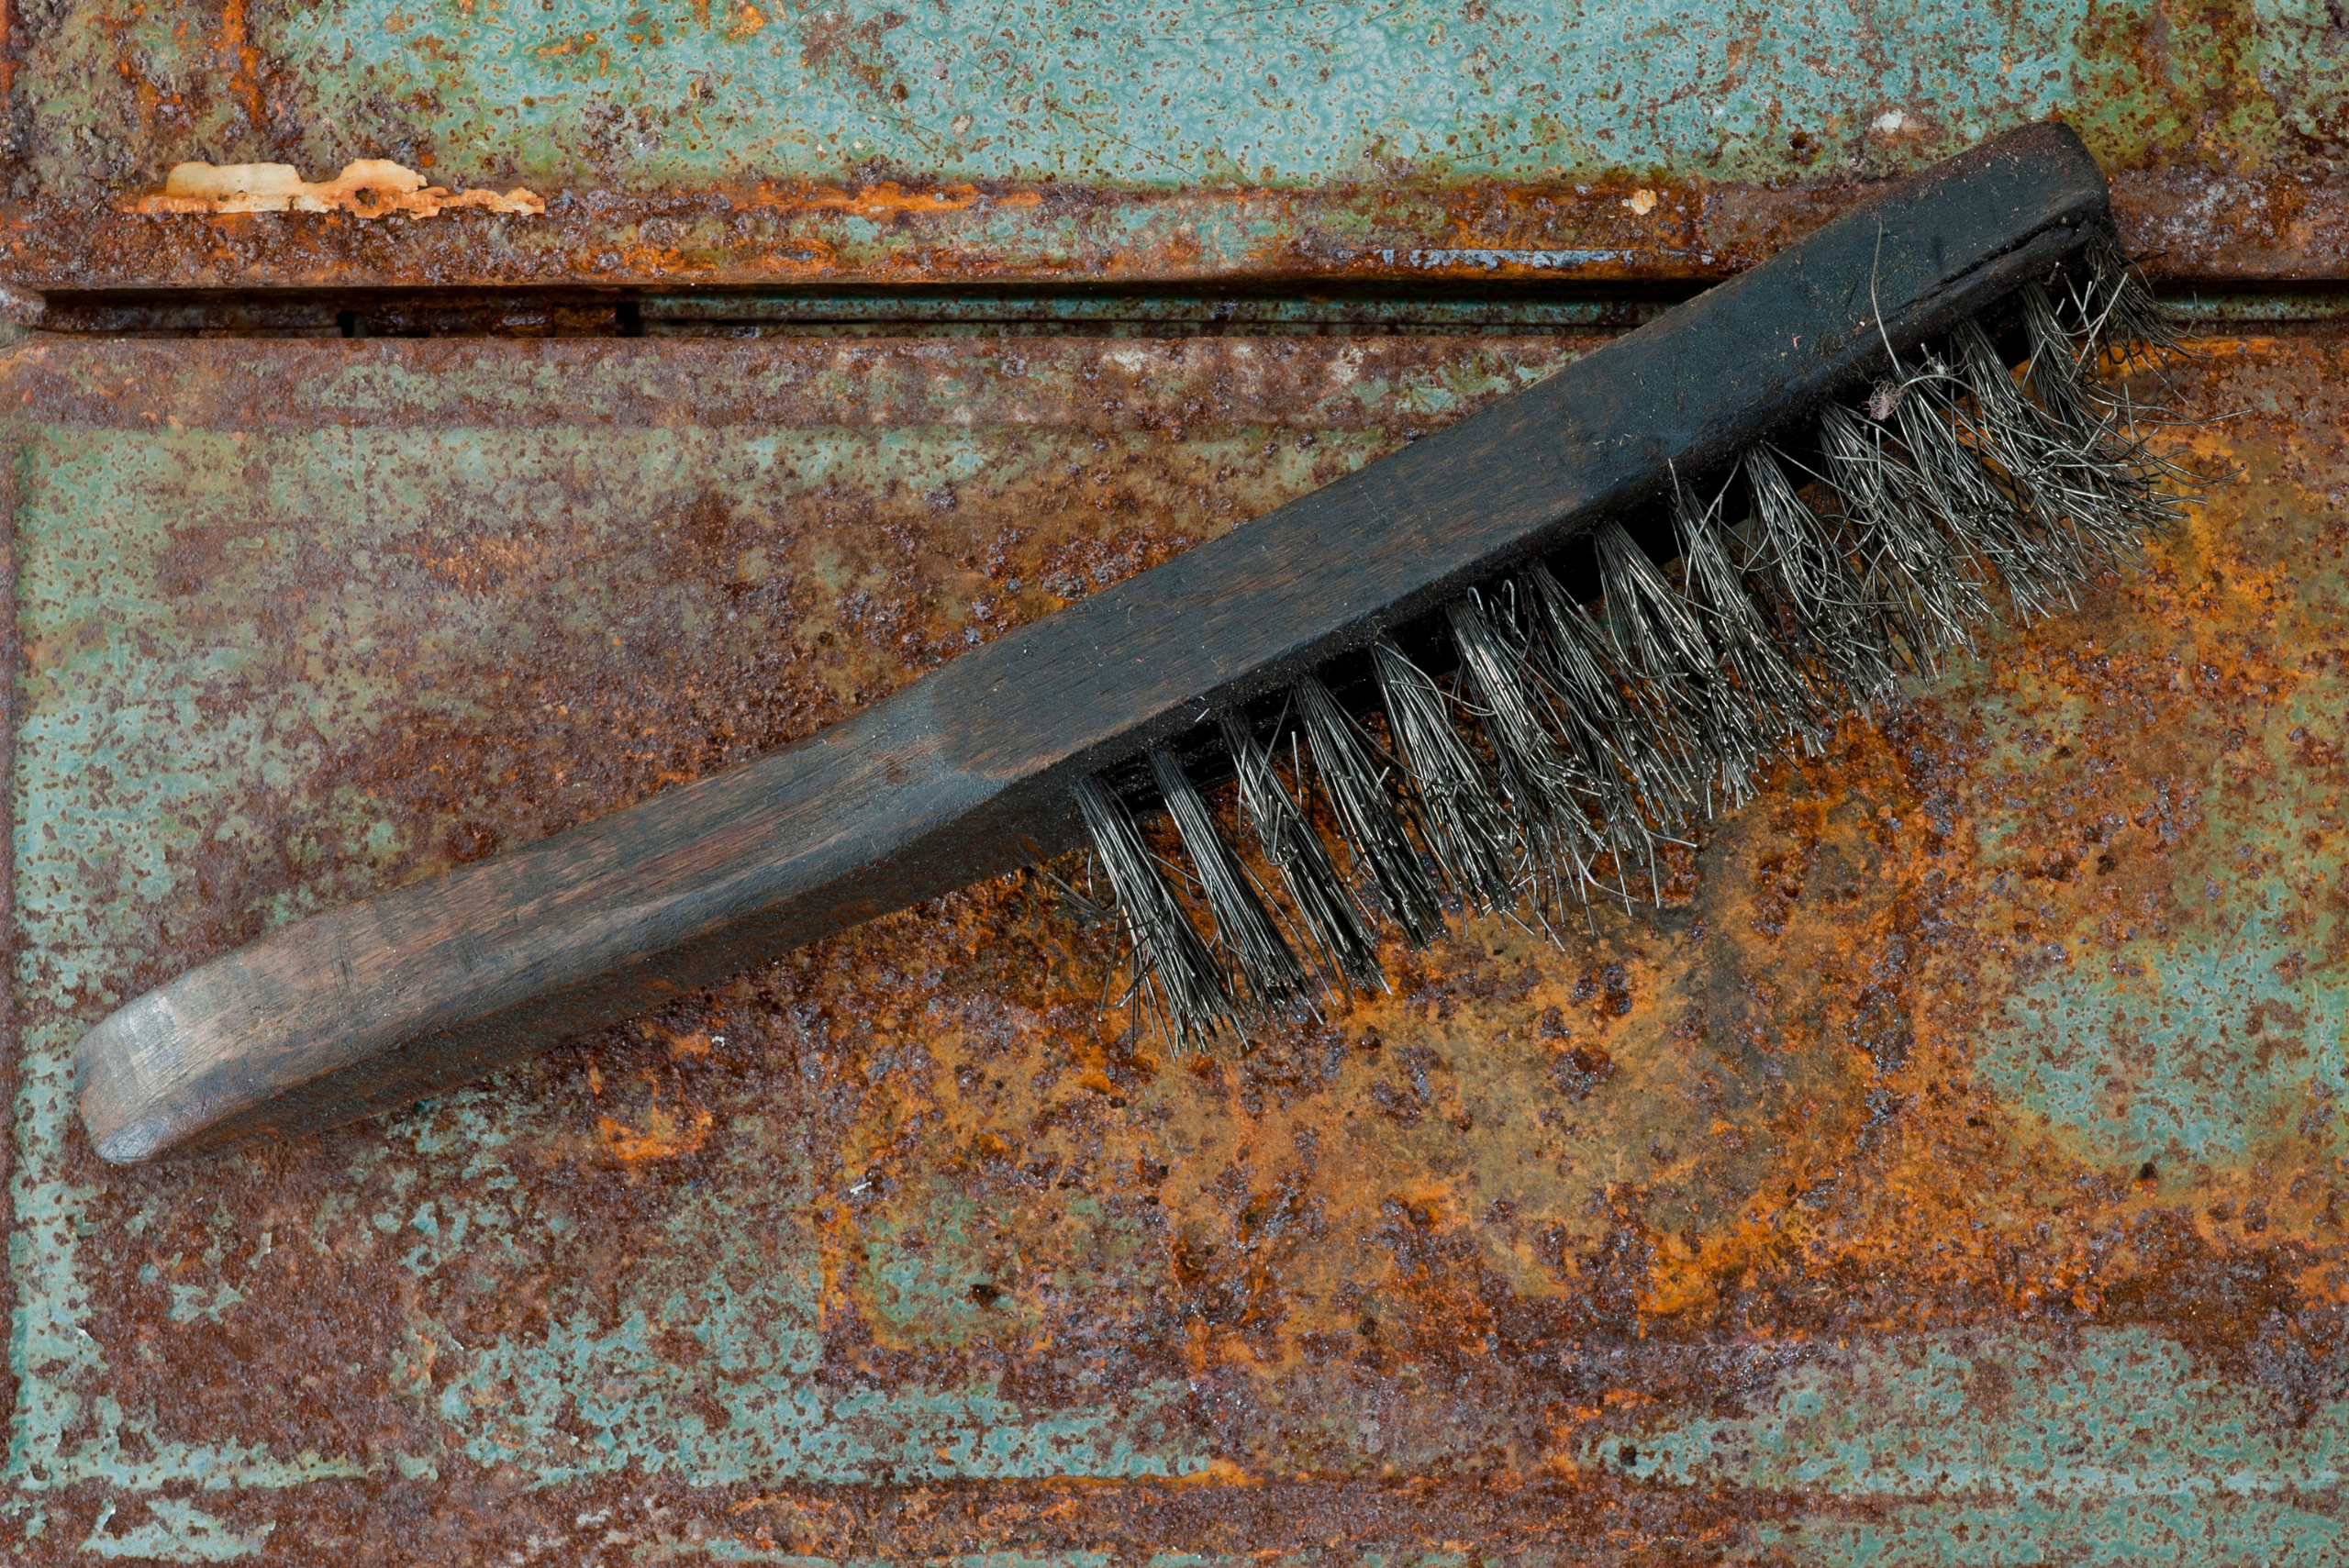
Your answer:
<point x="2191" y="225"/>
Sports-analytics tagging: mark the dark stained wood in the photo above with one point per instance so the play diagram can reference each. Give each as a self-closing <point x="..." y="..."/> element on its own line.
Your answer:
<point x="967" y="774"/>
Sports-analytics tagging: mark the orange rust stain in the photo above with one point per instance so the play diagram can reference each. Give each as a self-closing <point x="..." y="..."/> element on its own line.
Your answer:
<point x="888" y="199"/>
<point x="663" y="1137"/>
<point x="1700" y="1130"/>
<point x="243" y="59"/>
<point x="877" y="201"/>
<point x="746" y="22"/>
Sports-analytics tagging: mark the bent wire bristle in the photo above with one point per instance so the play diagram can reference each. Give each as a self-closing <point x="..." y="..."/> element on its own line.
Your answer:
<point x="1978" y="515"/>
<point x="1765" y="695"/>
<point x="1801" y="571"/>
<point x="1924" y="495"/>
<point x="2121" y="318"/>
<point x="1630" y="743"/>
<point x="1549" y="796"/>
<point x="1927" y="585"/>
<point x="1518" y="717"/>
<point x="1463" y="820"/>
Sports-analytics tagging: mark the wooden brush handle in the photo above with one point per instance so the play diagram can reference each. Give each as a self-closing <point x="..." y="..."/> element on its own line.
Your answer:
<point x="967" y="773"/>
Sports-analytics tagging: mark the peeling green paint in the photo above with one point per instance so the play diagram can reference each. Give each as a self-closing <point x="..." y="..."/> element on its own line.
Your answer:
<point x="177" y="1531"/>
<point x="2121" y="1413"/>
<point x="2119" y="1449"/>
<point x="583" y="1399"/>
<point x="2202" y="1041"/>
<point x="2115" y="1531"/>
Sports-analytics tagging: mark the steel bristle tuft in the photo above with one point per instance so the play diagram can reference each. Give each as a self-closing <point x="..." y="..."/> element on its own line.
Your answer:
<point x="1342" y="936"/>
<point x="1176" y="980"/>
<point x="1380" y="824"/>
<point x="1268" y="974"/>
<point x="1464" y="822"/>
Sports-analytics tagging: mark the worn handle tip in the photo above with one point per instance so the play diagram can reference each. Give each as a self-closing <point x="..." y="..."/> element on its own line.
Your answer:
<point x="126" y="1111"/>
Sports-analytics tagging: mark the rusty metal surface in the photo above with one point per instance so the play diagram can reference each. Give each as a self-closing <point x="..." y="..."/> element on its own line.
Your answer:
<point x="1953" y="1173"/>
<point x="683" y="143"/>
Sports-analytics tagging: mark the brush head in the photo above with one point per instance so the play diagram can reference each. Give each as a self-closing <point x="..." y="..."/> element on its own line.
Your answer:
<point x="1540" y="749"/>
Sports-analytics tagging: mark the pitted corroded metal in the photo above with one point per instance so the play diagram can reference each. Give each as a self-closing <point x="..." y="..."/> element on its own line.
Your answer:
<point x="1951" y="1168"/>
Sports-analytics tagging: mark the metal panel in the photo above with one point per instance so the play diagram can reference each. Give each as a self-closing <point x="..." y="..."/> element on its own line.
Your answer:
<point x="740" y="143"/>
<point x="1950" y="1173"/>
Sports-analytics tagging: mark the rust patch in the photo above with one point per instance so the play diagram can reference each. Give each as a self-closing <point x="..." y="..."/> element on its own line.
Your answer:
<point x="663" y="1137"/>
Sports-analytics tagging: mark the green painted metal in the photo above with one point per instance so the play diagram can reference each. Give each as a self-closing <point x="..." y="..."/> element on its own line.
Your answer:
<point x="694" y="142"/>
<point x="677" y="95"/>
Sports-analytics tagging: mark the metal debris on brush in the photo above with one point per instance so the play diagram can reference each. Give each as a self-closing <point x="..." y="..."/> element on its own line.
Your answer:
<point x="1573" y="744"/>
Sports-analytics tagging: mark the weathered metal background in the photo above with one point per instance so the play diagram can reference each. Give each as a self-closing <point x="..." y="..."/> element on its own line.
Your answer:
<point x="1952" y="1175"/>
<point x="793" y="142"/>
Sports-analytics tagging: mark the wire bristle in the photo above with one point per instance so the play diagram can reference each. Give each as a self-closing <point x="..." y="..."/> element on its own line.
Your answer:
<point x="1507" y="696"/>
<point x="1464" y="822"/>
<point x="1660" y="642"/>
<point x="1551" y="796"/>
<point x="1377" y="826"/>
<point x="1979" y="517"/>
<point x="1573" y="744"/>
<point x="2124" y="323"/>
<point x="1927" y="586"/>
<point x="1176" y="981"/>
<point x="1765" y="696"/>
<point x="1267" y="972"/>
<point x="1630" y="741"/>
<point x="1334" y="923"/>
<point x="1801" y="571"/>
<point x="2057" y="371"/>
